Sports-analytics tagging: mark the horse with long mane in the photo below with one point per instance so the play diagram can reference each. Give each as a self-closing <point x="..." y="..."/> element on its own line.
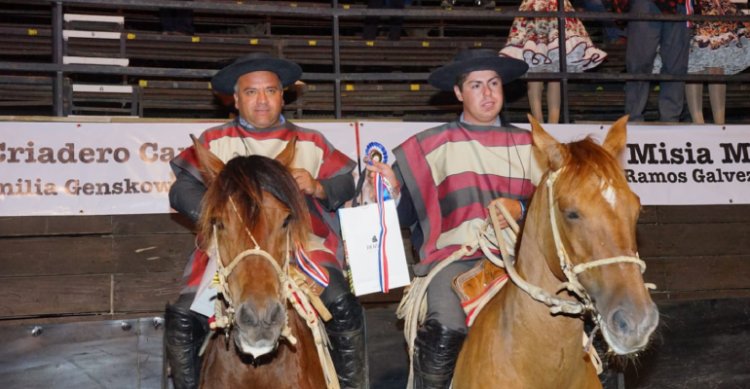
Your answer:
<point x="577" y="254"/>
<point x="256" y="217"/>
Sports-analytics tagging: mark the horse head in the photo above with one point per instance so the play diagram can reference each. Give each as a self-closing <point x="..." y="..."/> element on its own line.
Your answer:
<point x="255" y="216"/>
<point x="593" y="250"/>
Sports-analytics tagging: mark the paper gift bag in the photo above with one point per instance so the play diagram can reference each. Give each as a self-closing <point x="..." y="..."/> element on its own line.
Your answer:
<point x="374" y="247"/>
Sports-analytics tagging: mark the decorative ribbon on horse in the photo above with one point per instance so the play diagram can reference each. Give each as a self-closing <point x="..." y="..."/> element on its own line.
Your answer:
<point x="310" y="268"/>
<point x="372" y="236"/>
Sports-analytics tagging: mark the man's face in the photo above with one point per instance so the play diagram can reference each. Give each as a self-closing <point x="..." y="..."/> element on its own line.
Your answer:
<point x="482" y="96"/>
<point x="259" y="98"/>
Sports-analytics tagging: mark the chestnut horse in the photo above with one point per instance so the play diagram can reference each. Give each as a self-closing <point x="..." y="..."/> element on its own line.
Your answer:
<point x="255" y="214"/>
<point x="579" y="234"/>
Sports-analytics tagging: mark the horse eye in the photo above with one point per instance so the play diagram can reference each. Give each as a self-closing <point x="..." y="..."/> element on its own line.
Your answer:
<point x="572" y="215"/>
<point x="287" y="220"/>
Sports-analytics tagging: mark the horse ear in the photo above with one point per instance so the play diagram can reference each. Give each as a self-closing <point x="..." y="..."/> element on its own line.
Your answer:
<point x="616" y="137"/>
<point x="549" y="150"/>
<point x="286" y="156"/>
<point x="209" y="164"/>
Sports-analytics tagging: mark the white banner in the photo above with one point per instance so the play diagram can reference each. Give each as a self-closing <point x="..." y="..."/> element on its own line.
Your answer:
<point x="665" y="165"/>
<point x="68" y="168"/>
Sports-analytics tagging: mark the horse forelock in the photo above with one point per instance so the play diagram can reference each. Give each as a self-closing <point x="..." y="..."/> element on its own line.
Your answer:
<point x="244" y="180"/>
<point x="585" y="158"/>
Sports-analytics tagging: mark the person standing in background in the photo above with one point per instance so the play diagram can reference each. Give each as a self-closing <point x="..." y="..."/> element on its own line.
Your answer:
<point x="536" y="41"/>
<point x="717" y="47"/>
<point x="645" y="38"/>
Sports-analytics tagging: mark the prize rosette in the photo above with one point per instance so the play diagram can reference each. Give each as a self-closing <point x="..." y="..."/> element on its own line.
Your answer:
<point x="375" y="151"/>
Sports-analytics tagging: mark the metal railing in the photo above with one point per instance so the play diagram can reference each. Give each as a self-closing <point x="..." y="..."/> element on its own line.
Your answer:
<point x="335" y="13"/>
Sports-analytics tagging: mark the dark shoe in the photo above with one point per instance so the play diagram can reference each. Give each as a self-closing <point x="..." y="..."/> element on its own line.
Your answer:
<point x="346" y="330"/>
<point x="183" y="335"/>
<point x="435" y="353"/>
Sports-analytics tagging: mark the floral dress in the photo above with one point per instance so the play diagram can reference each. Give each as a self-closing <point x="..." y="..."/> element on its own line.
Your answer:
<point x="717" y="44"/>
<point x="535" y="41"/>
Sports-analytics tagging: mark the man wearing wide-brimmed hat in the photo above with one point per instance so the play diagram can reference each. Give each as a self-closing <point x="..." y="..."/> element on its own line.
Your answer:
<point x="445" y="177"/>
<point x="323" y="174"/>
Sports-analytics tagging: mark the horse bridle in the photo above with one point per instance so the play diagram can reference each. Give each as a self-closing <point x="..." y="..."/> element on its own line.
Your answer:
<point x="225" y="315"/>
<point x="556" y="304"/>
<point x="305" y="303"/>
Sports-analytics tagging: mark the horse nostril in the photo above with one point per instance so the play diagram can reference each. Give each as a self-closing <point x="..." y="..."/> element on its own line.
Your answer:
<point x="275" y="315"/>
<point x="247" y="315"/>
<point x="620" y="322"/>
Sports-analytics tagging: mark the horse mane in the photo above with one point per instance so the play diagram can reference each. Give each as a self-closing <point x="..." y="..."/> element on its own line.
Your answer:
<point x="586" y="158"/>
<point x="244" y="179"/>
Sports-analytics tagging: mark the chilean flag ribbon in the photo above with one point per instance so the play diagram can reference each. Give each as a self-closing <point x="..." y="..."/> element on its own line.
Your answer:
<point x="382" y="194"/>
<point x="310" y="268"/>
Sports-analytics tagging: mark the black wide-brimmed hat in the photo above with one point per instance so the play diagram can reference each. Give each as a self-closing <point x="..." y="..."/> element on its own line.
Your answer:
<point x="471" y="60"/>
<point x="224" y="80"/>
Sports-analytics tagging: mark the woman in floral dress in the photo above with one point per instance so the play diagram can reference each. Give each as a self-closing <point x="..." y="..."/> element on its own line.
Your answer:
<point x="717" y="47"/>
<point x="536" y="41"/>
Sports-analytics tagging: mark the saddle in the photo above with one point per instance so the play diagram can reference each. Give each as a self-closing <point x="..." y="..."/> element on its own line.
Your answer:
<point x="477" y="286"/>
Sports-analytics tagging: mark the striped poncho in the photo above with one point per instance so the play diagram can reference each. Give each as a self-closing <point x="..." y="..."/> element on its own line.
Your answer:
<point x="452" y="172"/>
<point x="313" y="153"/>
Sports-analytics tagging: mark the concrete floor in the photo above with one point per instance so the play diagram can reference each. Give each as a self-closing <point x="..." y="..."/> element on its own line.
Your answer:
<point x="700" y="345"/>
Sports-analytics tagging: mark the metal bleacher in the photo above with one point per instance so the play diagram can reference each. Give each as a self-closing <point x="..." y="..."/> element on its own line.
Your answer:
<point x="117" y="61"/>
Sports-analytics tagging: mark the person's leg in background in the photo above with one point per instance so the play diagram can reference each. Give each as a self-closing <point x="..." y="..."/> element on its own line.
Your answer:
<point x="534" y="94"/>
<point x="674" y="50"/>
<point x="553" y="102"/>
<point x="694" y="98"/>
<point x="643" y="41"/>
<point x="717" y="94"/>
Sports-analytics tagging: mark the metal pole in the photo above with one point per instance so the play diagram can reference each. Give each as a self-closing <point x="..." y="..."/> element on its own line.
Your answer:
<point x="561" y="20"/>
<point x="336" y="63"/>
<point x="57" y="54"/>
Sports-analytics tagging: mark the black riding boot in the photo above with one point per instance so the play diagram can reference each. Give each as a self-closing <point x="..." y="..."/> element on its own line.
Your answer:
<point x="346" y="330"/>
<point x="435" y="353"/>
<point x="183" y="335"/>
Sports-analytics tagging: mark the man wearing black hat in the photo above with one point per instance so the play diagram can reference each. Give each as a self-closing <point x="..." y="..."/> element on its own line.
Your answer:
<point x="323" y="175"/>
<point x="446" y="176"/>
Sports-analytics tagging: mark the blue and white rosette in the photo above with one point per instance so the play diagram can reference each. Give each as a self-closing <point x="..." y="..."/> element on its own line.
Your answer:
<point x="375" y="151"/>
